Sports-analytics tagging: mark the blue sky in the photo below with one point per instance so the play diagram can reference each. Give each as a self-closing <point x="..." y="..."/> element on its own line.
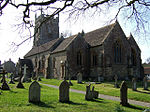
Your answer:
<point x="8" y="33"/>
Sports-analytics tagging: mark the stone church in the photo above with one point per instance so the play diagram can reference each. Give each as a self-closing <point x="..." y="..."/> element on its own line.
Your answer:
<point x="104" y="52"/>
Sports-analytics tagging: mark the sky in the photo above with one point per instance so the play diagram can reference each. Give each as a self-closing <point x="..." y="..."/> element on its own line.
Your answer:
<point x="9" y="34"/>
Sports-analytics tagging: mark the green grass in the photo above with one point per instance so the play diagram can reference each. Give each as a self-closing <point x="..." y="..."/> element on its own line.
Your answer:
<point x="107" y="88"/>
<point x="16" y="100"/>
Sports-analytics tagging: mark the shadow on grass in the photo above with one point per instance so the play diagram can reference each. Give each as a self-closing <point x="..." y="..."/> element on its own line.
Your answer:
<point x="42" y="104"/>
<point x="13" y="91"/>
<point x="99" y="100"/>
<point x="143" y="91"/>
<point x="73" y="103"/>
<point x="134" y="107"/>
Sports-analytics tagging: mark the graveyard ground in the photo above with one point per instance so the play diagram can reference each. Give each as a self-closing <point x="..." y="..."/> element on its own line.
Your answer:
<point x="16" y="100"/>
<point x="107" y="88"/>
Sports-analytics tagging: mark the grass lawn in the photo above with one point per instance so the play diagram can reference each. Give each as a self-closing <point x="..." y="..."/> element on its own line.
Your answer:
<point x="107" y="88"/>
<point x="16" y="100"/>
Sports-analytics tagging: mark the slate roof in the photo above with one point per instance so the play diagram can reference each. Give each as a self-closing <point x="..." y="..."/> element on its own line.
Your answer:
<point x="97" y="37"/>
<point x="64" y="44"/>
<point x="42" y="48"/>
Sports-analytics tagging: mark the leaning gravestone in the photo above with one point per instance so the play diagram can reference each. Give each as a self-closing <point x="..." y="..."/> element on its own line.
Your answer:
<point x="64" y="92"/>
<point x="88" y="95"/>
<point x="34" y="92"/>
<point x="79" y="77"/>
<point x="134" y="88"/>
<point x="124" y="94"/>
<point x="145" y="83"/>
<point x="95" y="93"/>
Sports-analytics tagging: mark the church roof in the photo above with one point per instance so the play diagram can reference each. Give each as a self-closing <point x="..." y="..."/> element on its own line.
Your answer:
<point x="132" y="41"/>
<point x="42" y="48"/>
<point x="96" y="37"/>
<point x="93" y="38"/>
<point x="64" y="44"/>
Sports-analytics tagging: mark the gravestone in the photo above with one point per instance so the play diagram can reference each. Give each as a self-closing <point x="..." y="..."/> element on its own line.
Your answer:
<point x="24" y="78"/>
<point x="100" y="78"/>
<point x="145" y="83"/>
<point x="116" y="82"/>
<point x="64" y="92"/>
<point x="39" y="79"/>
<point x="79" y="77"/>
<point x="4" y="84"/>
<point x="11" y="79"/>
<point x="34" y="92"/>
<point x="124" y="94"/>
<point x="95" y="93"/>
<point x="134" y="88"/>
<point x="20" y="85"/>
<point x="88" y="95"/>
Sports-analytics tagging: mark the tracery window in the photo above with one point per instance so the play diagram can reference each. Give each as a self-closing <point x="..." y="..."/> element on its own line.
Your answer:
<point x="133" y="57"/>
<point x="117" y="52"/>
<point x="54" y="61"/>
<point x="79" y="58"/>
<point x="43" y="61"/>
<point x="94" y="59"/>
<point x="36" y="62"/>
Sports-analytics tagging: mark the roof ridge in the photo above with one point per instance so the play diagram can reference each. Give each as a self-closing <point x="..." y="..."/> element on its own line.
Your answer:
<point x="112" y="26"/>
<point x="101" y="27"/>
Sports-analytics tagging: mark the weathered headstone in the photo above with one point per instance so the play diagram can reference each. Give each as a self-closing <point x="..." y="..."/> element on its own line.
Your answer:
<point x="116" y="82"/>
<point x="100" y="78"/>
<point x="134" y="87"/>
<point x="34" y="92"/>
<point x="24" y="78"/>
<point x="145" y="83"/>
<point x="79" y="77"/>
<point x="88" y="95"/>
<point x="39" y="79"/>
<point x="4" y="84"/>
<point x="11" y="79"/>
<point x="124" y="94"/>
<point x="64" y="92"/>
<point x="95" y="93"/>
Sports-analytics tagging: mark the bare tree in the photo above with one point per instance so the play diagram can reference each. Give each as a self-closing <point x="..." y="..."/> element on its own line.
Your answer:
<point x="135" y="10"/>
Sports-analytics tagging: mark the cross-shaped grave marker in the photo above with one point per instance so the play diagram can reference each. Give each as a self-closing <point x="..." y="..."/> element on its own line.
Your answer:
<point x="24" y="78"/>
<point x="4" y="83"/>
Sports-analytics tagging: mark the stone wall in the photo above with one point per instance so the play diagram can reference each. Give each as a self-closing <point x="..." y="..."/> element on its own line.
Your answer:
<point x="78" y="45"/>
<point x="56" y="68"/>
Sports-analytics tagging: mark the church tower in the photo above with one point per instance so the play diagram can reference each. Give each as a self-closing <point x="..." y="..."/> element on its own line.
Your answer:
<point x="46" y="29"/>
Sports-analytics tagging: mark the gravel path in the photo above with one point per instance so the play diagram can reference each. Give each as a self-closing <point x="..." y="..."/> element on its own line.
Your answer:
<point x="105" y="96"/>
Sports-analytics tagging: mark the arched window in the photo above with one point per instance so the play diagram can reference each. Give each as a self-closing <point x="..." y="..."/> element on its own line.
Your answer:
<point x="133" y="57"/>
<point x="79" y="58"/>
<point x="117" y="52"/>
<point x="36" y="62"/>
<point x="94" y="59"/>
<point x="54" y="61"/>
<point x="43" y="61"/>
